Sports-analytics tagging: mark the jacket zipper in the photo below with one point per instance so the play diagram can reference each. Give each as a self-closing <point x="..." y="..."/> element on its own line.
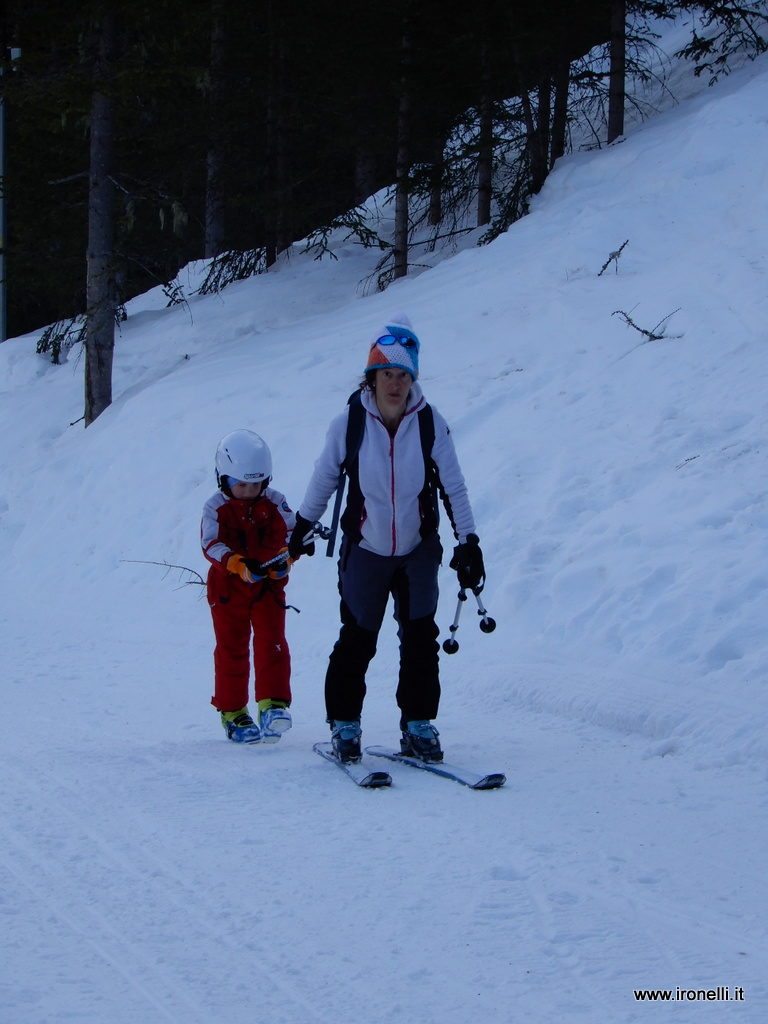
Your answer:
<point x="392" y="491"/>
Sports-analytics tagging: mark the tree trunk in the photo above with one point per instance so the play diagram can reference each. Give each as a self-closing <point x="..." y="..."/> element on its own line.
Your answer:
<point x="536" y="121"/>
<point x="485" y="142"/>
<point x="544" y="130"/>
<point x="403" y="165"/>
<point x="214" y="197"/>
<point x="100" y="287"/>
<point x="366" y="171"/>
<point x="437" y="177"/>
<point x="276" y="232"/>
<point x="617" y="71"/>
<point x="485" y="162"/>
<point x="560" y="110"/>
<point x="537" y="141"/>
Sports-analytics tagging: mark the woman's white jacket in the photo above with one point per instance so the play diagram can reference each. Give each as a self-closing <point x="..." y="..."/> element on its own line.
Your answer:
<point x="391" y="477"/>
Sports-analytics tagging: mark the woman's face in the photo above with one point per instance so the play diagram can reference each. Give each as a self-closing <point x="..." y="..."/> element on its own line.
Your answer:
<point x="392" y="387"/>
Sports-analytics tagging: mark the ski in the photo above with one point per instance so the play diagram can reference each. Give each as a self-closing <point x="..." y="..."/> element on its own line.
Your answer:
<point x="448" y="771"/>
<point x="360" y="774"/>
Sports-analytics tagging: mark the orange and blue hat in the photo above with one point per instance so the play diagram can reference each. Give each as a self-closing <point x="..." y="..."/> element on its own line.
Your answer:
<point x="396" y="347"/>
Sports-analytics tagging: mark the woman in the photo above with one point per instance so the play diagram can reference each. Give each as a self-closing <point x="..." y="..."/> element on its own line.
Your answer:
<point x="390" y="543"/>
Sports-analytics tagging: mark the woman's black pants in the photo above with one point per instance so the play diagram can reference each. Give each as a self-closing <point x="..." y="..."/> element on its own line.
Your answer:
<point x="366" y="581"/>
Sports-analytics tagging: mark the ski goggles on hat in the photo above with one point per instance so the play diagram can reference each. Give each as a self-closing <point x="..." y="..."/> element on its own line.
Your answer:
<point x="406" y="340"/>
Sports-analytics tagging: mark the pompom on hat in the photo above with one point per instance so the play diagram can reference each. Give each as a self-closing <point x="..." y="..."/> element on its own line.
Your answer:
<point x="395" y="347"/>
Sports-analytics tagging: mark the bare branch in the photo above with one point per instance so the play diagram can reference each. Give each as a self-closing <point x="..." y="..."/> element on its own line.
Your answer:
<point x="652" y="335"/>
<point x="199" y="581"/>
<point x="614" y="256"/>
<point x="70" y="177"/>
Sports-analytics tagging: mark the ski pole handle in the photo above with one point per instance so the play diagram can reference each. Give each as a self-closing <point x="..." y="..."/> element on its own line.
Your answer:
<point x="318" y="530"/>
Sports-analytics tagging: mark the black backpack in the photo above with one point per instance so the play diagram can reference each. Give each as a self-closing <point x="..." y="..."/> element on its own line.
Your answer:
<point x="348" y="468"/>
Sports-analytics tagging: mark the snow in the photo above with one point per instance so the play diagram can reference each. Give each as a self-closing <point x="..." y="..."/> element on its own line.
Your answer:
<point x="151" y="871"/>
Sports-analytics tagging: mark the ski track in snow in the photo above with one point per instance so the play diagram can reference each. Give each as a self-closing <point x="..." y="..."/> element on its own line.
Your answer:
<point x="150" y="892"/>
<point x="130" y="893"/>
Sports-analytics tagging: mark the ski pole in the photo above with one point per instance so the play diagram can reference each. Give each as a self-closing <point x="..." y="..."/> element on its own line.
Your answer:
<point x="487" y="624"/>
<point x="451" y="645"/>
<point x="317" y="531"/>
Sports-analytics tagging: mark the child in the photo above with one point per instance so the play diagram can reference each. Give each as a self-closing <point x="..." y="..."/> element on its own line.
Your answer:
<point x="244" y="534"/>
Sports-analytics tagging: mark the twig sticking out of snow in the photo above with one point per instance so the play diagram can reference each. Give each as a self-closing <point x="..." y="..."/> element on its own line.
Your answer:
<point x="198" y="581"/>
<point x="613" y="257"/>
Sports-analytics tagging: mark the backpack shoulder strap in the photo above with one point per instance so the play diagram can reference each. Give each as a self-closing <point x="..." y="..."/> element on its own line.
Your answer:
<point x="434" y="490"/>
<point x="427" y="432"/>
<point x="355" y="430"/>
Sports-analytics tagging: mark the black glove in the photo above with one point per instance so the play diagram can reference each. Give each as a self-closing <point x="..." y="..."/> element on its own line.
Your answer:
<point x="255" y="568"/>
<point x="296" y="545"/>
<point x="276" y="568"/>
<point x="468" y="562"/>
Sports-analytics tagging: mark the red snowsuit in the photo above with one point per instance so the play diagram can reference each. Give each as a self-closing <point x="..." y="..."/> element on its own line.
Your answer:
<point x="255" y="529"/>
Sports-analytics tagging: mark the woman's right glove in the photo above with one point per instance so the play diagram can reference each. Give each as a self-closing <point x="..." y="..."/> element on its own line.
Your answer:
<point x="297" y="545"/>
<point x="468" y="562"/>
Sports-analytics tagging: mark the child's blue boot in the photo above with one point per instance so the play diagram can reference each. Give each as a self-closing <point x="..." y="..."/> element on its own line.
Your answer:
<point x="274" y="719"/>
<point x="240" y="727"/>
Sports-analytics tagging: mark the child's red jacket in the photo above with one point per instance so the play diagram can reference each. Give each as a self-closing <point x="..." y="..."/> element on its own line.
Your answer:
<point x="254" y="529"/>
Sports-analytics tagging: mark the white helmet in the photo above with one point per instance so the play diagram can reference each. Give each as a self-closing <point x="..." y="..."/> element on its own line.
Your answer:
<point x="244" y="456"/>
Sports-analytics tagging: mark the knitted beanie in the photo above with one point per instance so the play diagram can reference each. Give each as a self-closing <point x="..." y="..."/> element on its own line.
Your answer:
<point x="395" y="347"/>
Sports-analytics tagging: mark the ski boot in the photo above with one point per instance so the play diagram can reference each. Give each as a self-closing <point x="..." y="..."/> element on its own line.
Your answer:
<point x="240" y="727"/>
<point x="420" y="739"/>
<point x="274" y="719"/>
<point x="345" y="740"/>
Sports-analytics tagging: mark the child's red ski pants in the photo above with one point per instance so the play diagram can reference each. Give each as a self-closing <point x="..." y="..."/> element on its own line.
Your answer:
<point x="242" y="614"/>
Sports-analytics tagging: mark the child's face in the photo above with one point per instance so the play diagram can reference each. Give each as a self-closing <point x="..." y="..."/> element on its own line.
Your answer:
<point x="247" y="491"/>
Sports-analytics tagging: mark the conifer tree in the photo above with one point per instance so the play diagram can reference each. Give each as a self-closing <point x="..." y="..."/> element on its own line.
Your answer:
<point x="100" y="287"/>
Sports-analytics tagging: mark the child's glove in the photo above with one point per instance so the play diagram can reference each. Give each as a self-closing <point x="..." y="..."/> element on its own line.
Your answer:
<point x="276" y="568"/>
<point x="468" y="562"/>
<point x="246" y="568"/>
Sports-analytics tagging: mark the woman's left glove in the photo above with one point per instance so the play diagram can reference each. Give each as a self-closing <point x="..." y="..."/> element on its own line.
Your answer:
<point x="468" y="562"/>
